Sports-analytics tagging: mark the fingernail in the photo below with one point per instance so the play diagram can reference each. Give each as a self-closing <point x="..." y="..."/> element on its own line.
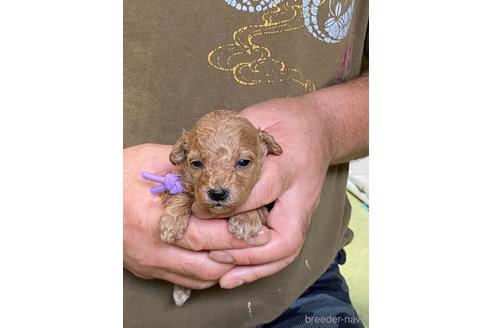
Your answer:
<point x="221" y="257"/>
<point x="261" y="239"/>
<point x="231" y="284"/>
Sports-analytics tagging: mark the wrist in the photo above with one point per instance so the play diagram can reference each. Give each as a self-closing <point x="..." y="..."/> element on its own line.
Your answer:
<point x="325" y="121"/>
<point x="343" y="112"/>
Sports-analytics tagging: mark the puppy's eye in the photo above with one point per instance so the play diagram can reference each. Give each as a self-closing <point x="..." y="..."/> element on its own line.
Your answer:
<point x="197" y="164"/>
<point x="243" y="162"/>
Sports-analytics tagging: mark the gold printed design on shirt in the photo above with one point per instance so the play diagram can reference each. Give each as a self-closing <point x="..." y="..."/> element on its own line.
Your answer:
<point x="251" y="63"/>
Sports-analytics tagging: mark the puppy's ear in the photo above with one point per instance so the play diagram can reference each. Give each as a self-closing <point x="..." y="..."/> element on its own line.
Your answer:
<point x="180" y="149"/>
<point x="272" y="146"/>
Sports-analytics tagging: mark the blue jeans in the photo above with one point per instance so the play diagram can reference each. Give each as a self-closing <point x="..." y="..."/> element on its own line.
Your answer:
<point x="325" y="304"/>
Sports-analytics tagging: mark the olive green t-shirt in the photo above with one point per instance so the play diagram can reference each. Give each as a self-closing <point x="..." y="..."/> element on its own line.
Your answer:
<point x="183" y="59"/>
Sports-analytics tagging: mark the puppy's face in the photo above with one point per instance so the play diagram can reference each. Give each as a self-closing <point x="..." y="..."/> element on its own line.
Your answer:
<point x="221" y="158"/>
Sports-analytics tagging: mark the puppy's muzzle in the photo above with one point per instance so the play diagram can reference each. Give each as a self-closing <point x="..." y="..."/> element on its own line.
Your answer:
<point x="218" y="194"/>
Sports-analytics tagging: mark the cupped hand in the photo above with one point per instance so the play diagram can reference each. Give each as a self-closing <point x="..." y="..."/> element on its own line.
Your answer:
<point x="293" y="180"/>
<point x="145" y="254"/>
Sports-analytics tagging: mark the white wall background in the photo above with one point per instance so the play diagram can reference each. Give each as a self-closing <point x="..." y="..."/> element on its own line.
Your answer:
<point x="358" y="183"/>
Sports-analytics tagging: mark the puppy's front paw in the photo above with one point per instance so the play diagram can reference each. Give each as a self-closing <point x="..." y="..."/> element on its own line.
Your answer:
<point x="171" y="228"/>
<point x="245" y="225"/>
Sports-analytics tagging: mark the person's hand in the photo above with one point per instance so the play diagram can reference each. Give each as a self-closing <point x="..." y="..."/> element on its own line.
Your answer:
<point x="145" y="254"/>
<point x="329" y="126"/>
<point x="293" y="179"/>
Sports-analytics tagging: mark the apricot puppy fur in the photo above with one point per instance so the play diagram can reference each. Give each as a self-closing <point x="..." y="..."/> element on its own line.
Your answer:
<point x="219" y="161"/>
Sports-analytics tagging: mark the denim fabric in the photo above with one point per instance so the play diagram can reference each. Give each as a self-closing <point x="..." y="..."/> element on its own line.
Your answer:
<point x="325" y="304"/>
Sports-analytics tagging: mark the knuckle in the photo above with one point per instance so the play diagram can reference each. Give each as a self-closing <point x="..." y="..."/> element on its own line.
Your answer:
<point x="147" y="261"/>
<point x="290" y="245"/>
<point x="210" y="274"/>
<point x="231" y="241"/>
<point x="191" y="270"/>
<point x="292" y="258"/>
<point x="248" y="259"/>
<point x="256" y="275"/>
<point x="303" y="230"/>
<point x="203" y="284"/>
<point x="208" y="241"/>
<point x="200" y="271"/>
<point x="139" y="258"/>
<point x="143" y="275"/>
<point x="288" y="260"/>
<point x="193" y="241"/>
<point x="298" y="241"/>
<point x="137" y="270"/>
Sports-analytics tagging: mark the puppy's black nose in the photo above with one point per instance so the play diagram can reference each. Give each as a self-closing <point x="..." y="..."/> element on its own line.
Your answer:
<point x="218" y="194"/>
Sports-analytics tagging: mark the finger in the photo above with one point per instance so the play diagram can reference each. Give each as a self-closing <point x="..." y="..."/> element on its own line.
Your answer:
<point x="185" y="281"/>
<point x="213" y="234"/>
<point x="158" y="273"/>
<point x="286" y="238"/>
<point x="246" y="274"/>
<point x="272" y="183"/>
<point x="274" y="250"/>
<point x="152" y="272"/>
<point x="191" y="264"/>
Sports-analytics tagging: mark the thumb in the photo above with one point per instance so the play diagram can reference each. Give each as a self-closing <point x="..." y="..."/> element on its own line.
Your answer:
<point x="269" y="187"/>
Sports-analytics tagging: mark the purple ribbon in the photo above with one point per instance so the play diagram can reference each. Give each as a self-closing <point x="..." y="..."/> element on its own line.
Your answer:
<point x="170" y="182"/>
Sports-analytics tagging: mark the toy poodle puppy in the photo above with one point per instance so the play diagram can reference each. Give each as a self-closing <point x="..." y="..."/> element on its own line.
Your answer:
<point x="218" y="162"/>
